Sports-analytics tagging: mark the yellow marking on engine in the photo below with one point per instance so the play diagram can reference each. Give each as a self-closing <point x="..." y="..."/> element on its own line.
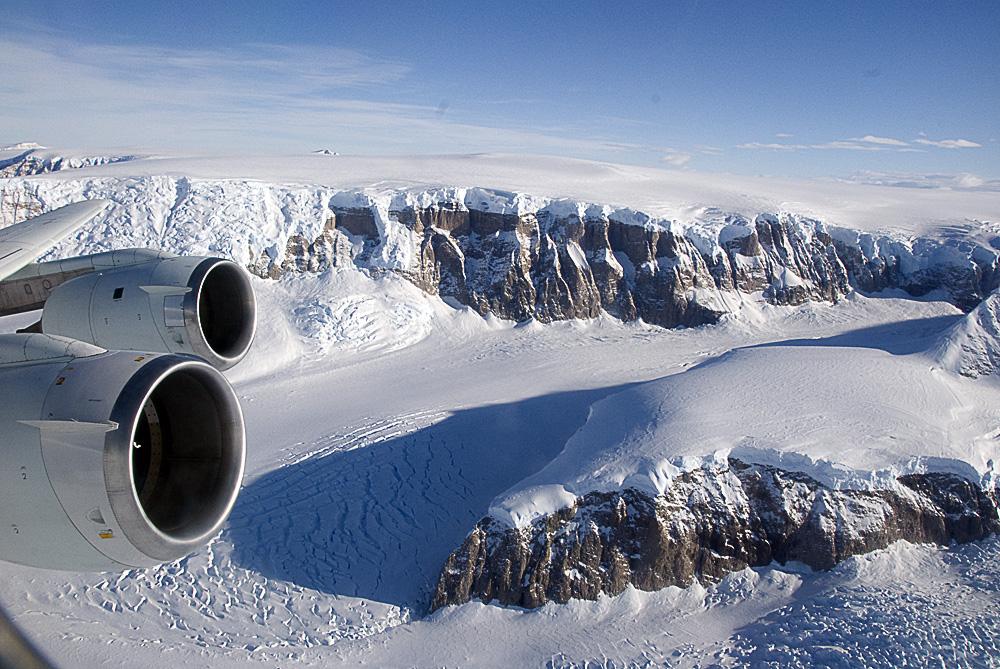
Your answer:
<point x="106" y="534"/>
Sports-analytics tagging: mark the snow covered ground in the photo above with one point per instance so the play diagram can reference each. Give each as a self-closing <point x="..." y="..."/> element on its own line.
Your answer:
<point x="904" y="606"/>
<point x="374" y="448"/>
<point x="383" y="423"/>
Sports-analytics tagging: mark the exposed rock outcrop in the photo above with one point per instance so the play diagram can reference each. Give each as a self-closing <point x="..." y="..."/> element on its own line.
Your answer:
<point x="510" y="254"/>
<point x="710" y="522"/>
<point x="554" y="263"/>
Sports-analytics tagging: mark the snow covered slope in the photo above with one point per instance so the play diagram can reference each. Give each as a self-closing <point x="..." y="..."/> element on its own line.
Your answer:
<point x="809" y="449"/>
<point x="855" y="410"/>
<point x="972" y="346"/>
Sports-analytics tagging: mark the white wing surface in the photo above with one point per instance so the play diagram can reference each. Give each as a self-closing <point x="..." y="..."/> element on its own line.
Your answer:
<point x="23" y="242"/>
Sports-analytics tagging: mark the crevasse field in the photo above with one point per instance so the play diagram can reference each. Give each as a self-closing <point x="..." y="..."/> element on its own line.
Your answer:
<point x="383" y="423"/>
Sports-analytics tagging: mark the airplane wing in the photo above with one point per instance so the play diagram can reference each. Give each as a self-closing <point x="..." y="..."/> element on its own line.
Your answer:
<point x="21" y="243"/>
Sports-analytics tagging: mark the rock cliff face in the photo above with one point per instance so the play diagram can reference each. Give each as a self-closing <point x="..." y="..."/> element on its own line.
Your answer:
<point x="711" y="522"/>
<point x="550" y="265"/>
<point x="508" y="254"/>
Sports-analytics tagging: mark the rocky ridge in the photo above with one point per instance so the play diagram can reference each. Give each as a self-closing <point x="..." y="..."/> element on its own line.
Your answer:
<point x="715" y="520"/>
<point x="516" y="256"/>
<point x="571" y="260"/>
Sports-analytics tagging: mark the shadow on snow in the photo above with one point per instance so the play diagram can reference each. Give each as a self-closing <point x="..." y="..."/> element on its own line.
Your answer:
<point x="899" y="338"/>
<point x="379" y="521"/>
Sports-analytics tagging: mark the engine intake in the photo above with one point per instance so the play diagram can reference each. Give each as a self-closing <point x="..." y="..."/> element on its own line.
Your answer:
<point x="175" y="464"/>
<point x="116" y="459"/>
<point x="203" y="306"/>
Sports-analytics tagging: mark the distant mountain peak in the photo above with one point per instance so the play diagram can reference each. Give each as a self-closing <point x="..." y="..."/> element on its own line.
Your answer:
<point x="22" y="146"/>
<point x="972" y="346"/>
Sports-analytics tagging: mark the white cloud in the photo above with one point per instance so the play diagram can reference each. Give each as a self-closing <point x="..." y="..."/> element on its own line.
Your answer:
<point x="949" y="143"/>
<point x="772" y="146"/>
<point x="846" y="145"/>
<point x="967" y="180"/>
<point x="866" y="143"/>
<point x="783" y="135"/>
<point x="258" y="97"/>
<point x="960" y="181"/>
<point x="677" y="158"/>
<point x="884" y="141"/>
<point x="838" y="144"/>
<point x="629" y="146"/>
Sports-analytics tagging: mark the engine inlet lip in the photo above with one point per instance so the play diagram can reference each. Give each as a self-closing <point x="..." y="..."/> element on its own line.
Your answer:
<point x="192" y="313"/>
<point x="141" y="531"/>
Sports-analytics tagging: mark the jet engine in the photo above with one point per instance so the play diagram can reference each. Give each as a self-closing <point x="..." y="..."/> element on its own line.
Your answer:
<point x="200" y="306"/>
<point x="119" y="459"/>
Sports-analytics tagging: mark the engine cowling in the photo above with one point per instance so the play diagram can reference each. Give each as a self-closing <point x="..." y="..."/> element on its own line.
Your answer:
<point x="112" y="459"/>
<point x="200" y="306"/>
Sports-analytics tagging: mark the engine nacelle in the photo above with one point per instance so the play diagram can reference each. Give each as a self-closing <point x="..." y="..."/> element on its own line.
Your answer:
<point x="200" y="306"/>
<point x="114" y="459"/>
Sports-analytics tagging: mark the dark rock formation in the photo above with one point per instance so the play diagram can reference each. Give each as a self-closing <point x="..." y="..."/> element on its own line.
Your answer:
<point x="349" y="237"/>
<point x="553" y="266"/>
<point x="710" y="522"/>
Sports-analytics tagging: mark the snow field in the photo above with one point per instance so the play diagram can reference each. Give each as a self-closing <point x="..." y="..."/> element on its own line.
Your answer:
<point x="904" y="606"/>
<point x="367" y="468"/>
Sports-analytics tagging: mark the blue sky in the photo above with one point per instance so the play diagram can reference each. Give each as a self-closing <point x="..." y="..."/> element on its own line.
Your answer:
<point x="805" y="89"/>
